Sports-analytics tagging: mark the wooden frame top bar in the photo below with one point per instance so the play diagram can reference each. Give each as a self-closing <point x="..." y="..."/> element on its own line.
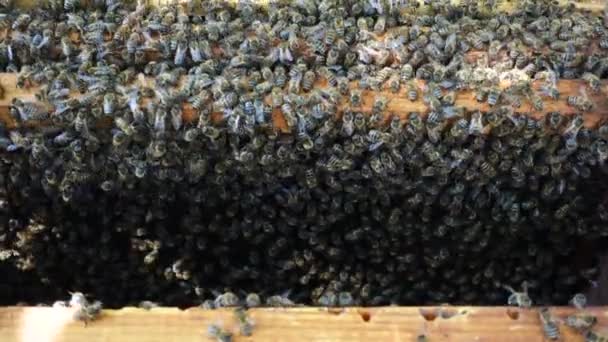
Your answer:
<point x="495" y="324"/>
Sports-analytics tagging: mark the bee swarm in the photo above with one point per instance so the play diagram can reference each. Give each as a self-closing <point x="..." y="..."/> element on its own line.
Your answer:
<point x="349" y="207"/>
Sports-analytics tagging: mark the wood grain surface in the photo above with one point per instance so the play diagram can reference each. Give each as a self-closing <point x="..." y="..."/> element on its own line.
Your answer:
<point x="398" y="103"/>
<point x="590" y="5"/>
<point x="495" y="324"/>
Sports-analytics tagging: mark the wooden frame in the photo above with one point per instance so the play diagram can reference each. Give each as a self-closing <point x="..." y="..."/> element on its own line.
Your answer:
<point x="466" y="324"/>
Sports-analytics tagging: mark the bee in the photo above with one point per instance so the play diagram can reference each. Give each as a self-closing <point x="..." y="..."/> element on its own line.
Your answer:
<point x="327" y="299"/>
<point x="537" y="101"/>
<point x="412" y="90"/>
<point x="449" y="98"/>
<point x="407" y="72"/>
<point x="246" y="324"/>
<point x="147" y="305"/>
<point x="88" y="313"/>
<point x="77" y="299"/>
<point x="550" y="328"/>
<point x="380" y="25"/>
<point x="293" y="41"/>
<point x="221" y="335"/>
<point x="329" y="75"/>
<point x="109" y="103"/>
<point x="330" y="36"/>
<point x="280" y="76"/>
<point x="581" y="322"/>
<point x="550" y="90"/>
<point x="592" y="336"/>
<point x="343" y="85"/>
<point x="279" y="301"/>
<point x="226" y="299"/>
<point x="476" y="124"/>
<point x="579" y="301"/>
<point x="308" y="80"/>
<point x="425" y="72"/>
<point x="345" y="299"/>
<point x="521" y="299"/>
<point x="581" y="102"/>
<point x="21" y="22"/>
<point x="480" y="94"/>
<point x="295" y="80"/>
<point x="493" y="96"/>
<point x="355" y="98"/>
<point x="348" y="126"/>
<point x="379" y="105"/>
<point x="333" y="57"/>
<point x="253" y="300"/>
<point x="592" y="81"/>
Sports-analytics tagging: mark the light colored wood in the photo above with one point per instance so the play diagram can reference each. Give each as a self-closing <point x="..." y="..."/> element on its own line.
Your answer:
<point x="590" y="5"/>
<point x="398" y="103"/>
<point x="495" y="324"/>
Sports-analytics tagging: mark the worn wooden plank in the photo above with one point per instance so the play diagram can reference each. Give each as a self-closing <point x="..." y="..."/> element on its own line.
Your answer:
<point x="398" y="103"/>
<point x="590" y="5"/>
<point x="39" y="324"/>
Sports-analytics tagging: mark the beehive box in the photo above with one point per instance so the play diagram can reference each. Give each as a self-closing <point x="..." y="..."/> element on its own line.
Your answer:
<point x="385" y="323"/>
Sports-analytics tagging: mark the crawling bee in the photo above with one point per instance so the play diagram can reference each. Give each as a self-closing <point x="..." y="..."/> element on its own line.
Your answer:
<point x="581" y="102"/>
<point x="379" y="105"/>
<point x="345" y="299"/>
<point x="221" y="335"/>
<point x="394" y="84"/>
<point x="412" y="90"/>
<point x="226" y="299"/>
<point x="85" y="311"/>
<point x="355" y="97"/>
<point x="308" y="80"/>
<point x="253" y="300"/>
<point x="550" y="90"/>
<point x="480" y="94"/>
<point x="88" y="313"/>
<point x="592" y="81"/>
<point x="581" y="322"/>
<point x="592" y="336"/>
<point x="493" y="96"/>
<point x="77" y="299"/>
<point x="406" y="72"/>
<point x="579" y="301"/>
<point x="449" y="98"/>
<point x="279" y="301"/>
<point x="521" y="299"/>
<point x="246" y="325"/>
<point x="147" y="305"/>
<point x="550" y="328"/>
<point x="537" y="101"/>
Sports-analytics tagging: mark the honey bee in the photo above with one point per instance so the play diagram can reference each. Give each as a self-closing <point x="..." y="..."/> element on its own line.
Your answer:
<point x="246" y="324"/>
<point x="550" y="328"/>
<point x="493" y="96"/>
<point x="537" y="101"/>
<point x="412" y="90"/>
<point x="592" y="81"/>
<point x="592" y="336"/>
<point x="521" y="299"/>
<point x="581" y="322"/>
<point x="579" y="301"/>
<point x="581" y="102"/>
<point x="216" y="332"/>
<point x="355" y="97"/>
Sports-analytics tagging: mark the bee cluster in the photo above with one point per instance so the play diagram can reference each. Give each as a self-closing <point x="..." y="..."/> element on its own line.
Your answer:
<point x="349" y="207"/>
